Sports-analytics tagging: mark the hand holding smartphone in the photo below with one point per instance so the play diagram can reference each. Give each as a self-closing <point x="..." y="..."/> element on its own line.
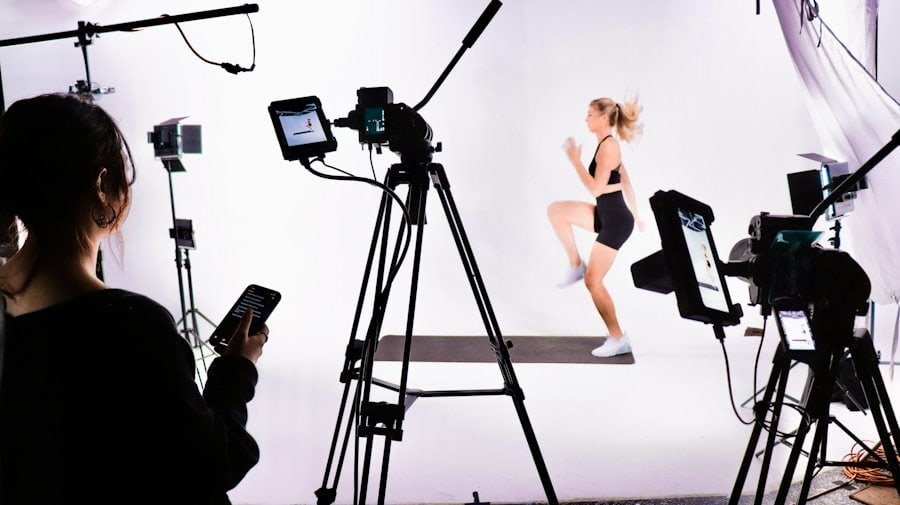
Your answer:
<point x="261" y="300"/>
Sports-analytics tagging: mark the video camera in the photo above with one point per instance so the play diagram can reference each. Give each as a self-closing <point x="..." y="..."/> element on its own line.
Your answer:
<point x="304" y="131"/>
<point x="786" y="271"/>
<point x="380" y="121"/>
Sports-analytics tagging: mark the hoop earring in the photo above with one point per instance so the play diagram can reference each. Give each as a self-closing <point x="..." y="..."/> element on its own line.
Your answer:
<point x="103" y="220"/>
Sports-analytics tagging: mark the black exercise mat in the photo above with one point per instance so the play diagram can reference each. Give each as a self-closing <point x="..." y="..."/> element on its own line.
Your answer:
<point x="529" y="349"/>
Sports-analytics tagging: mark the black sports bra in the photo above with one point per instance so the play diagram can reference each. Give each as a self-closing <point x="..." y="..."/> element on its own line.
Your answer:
<point x="614" y="177"/>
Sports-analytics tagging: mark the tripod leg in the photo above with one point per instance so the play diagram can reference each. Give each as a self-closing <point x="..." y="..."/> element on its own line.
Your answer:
<point x="778" y="369"/>
<point x="373" y="414"/>
<point x="489" y="319"/>
<point x="773" y="429"/>
<point x="384" y="470"/>
<point x="326" y="495"/>
<point x="890" y="416"/>
<point x="367" y="461"/>
<point x="865" y="361"/>
<point x="364" y="351"/>
<point x="887" y="444"/>
<point x="418" y="193"/>
<point x="824" y="373"/>
<point x="792" y="461"/>
<point x="818" y="441"/>
<point x="193" y="307"/>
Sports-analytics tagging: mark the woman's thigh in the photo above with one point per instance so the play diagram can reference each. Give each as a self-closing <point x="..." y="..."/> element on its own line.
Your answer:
<point x="581" y="214"/>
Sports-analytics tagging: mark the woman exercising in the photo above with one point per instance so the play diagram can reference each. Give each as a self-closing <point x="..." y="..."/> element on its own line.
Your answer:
<point x="612" y="218"/>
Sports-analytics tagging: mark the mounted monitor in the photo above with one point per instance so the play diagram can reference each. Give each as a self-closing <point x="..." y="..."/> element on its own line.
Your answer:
<point x="691" y="259"/>
<point x="301" y="126"/>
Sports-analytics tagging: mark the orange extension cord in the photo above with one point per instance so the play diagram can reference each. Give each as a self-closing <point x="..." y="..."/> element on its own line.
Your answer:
<point x="876" y="476"/>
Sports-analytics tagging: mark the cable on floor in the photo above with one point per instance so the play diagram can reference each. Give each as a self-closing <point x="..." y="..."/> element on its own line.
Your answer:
<point x="876" y="476"/>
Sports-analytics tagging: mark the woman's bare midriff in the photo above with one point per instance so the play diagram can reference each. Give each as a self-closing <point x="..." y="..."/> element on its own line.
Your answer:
<point x="611" y="188"/>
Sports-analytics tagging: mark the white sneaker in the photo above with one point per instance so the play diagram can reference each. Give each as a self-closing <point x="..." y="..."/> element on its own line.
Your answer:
<point x="573" y="275"/>
<point x="612" y="347"/>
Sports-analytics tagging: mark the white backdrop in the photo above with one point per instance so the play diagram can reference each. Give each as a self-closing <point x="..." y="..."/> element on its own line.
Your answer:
<point x="724" y="119"/>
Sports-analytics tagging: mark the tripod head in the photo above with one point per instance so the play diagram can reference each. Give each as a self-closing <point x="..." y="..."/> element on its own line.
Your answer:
<point x="380" y="121"/>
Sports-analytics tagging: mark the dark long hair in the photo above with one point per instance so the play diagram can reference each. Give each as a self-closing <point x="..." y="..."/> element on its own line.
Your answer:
<point x="52" y="150"/>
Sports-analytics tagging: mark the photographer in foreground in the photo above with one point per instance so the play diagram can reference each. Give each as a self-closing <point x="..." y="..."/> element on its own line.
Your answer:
<point x="97" y="399"/>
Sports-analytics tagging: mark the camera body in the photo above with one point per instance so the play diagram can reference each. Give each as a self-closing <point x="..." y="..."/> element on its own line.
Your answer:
<point x="380" y="121"/>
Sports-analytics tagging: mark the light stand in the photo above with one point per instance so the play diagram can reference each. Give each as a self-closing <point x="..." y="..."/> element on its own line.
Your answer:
<point x="84" y="35"/>
<point x="183" y="234"/>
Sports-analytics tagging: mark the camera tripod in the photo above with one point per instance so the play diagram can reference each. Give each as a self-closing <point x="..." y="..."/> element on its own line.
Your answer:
<point x="815" y="406"/>
<point x="384" y="418"/>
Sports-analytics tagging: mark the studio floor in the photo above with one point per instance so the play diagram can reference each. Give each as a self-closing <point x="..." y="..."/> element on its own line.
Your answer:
<point x="659" y="431"/>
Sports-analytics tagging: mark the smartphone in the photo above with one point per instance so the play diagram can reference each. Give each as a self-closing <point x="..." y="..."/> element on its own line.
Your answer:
<point x="261" y="300"/>
<point x="795" y="330"/>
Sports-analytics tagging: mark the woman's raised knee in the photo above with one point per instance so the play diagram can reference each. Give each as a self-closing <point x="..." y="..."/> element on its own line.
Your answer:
<point x="553" y="210"/>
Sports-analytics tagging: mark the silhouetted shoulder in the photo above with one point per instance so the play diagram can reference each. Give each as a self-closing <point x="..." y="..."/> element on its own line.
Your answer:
<point x="137" y="321"/>
<point x="129" y="305"/>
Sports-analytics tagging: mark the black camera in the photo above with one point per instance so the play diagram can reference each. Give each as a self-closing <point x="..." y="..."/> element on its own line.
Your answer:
<point x="380" y="121"/>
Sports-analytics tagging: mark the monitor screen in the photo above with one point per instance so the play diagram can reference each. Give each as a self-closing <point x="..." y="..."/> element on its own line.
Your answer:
<point x="691" y="261"/>
<point x="706" y="273"/>
<point x="301" y="126"/>
<point x="795" y="330"/>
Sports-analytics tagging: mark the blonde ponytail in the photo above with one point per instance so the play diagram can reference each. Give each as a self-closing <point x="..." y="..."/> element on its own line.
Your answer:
<point x="623" y="117"/>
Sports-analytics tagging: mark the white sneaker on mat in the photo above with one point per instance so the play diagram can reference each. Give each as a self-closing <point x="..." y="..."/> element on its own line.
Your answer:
<point x="613" y="347"/>
<point x="573" y="275"/>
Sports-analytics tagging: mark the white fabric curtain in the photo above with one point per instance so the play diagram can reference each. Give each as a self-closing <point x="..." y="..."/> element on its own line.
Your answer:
<point x="854" y="117"/>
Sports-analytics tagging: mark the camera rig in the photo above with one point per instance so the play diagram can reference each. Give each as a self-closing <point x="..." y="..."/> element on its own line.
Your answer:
<point x="304" y="134"/>
<point x="380" y="121"/>
<point x="786" y="271"/>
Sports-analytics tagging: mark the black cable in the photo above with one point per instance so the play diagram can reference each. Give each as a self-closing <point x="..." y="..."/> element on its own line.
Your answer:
<point x="372" y="163"/>
<point x="756" y="363"/>
<point x="229" y="67"/>
<point x="392" y="273"/>
<point x="797" y="407"/>
<point x="348" y="174"/>
<point x="730" y="391"/>
<point x="406" y="220"/>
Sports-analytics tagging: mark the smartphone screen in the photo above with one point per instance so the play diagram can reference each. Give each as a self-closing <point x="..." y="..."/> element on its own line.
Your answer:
<point x="261" y="300"/>
<point x="795" y="330"/>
